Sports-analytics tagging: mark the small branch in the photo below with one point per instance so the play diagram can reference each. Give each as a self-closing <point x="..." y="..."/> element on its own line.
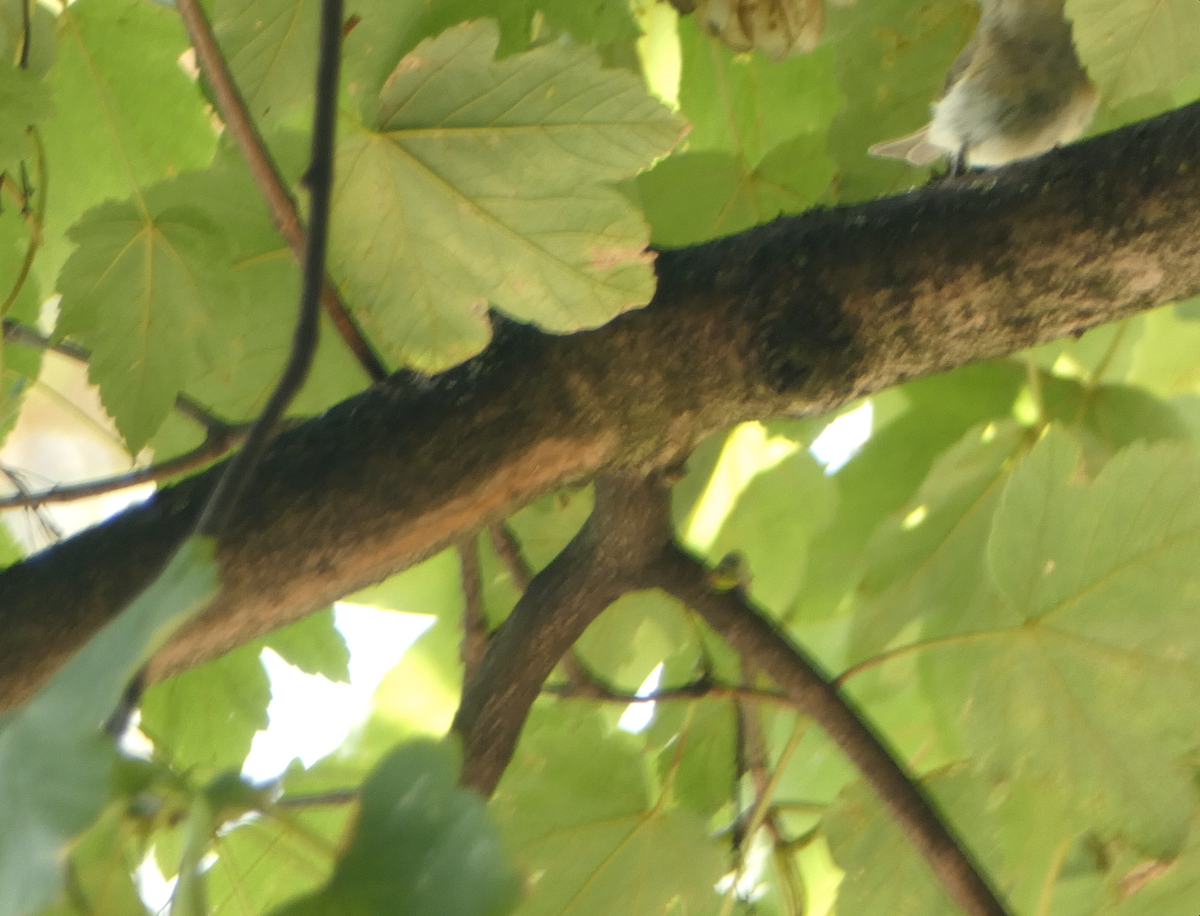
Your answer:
<point x="44" y="519"/>
<point x="331" y="798"/>
<point x="505" y="543"/>
<point x="587" y="685"/>
<point x="628" y="526"/>
<point x="218" y="442"/>
<point x="475" y="634"/>
<point x="283" y="209"/>
<point x="754" y="636"/>
<point x="304" y="343"/>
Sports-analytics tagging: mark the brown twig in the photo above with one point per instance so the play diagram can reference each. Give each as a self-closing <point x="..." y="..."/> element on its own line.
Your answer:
<point x="330" y="798"/>
<point x="587" y="685"/>
<point x="753" y="635"/>
<point x="508" y="549"/>
<point x="220" y="437"/>
<point x="319" y="177"/>
<point x="475" y="634"/>
<point x="266" y="174"/>
<point x="215" y="444"/>
<point x="44" y="519"/>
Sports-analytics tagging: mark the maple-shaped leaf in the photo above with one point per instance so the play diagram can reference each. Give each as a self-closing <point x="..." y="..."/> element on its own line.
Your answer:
<point x="474" y="183"/>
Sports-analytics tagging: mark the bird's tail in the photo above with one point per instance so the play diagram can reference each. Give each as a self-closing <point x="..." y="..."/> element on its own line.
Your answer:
<point x="914" y="148"/>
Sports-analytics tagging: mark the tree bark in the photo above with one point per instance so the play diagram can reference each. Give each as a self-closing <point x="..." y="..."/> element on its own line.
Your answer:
<point x="795" y="317"/>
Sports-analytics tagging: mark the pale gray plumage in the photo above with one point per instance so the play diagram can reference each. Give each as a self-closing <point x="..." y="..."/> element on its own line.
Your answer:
<point x="1016" y="90"/>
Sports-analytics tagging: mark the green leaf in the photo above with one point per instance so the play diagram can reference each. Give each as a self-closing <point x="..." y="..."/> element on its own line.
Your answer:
<point x="1135" y="47"/>
<point x="54" y="759"/>
<point x="271" y="49"/>
<point x="281" y="853"/>
<point x="928" y="559"/>
<point x="772" y="534"/>
<point x="632" y="636"/>
<point x="693" y="197"/>
<point x="419" y="696"/>
<point x="575" y="807"/>
<point x="747" y="106"/>
<point x="886" y="472"/>
<point x="143" y="291"/>
<point x="41" y="35"/>
<point x="1157" y="888"/>
<point x="699" y="754"/>
<point x="1167" y="358"/>
<point x="421" y="846"/>
<point x="1014" y="844"/>
<point x="1092" y="618"/>
<point x="24" y="100"/>
<point x="254" y="342"/>
<point x="314" y="645"/>
<point x="117" y="82"/>
<point x="546" y="525"/>
<point x="487" y="179"/>
<point x="206" y="717"/>
<point x="892" y="58"/>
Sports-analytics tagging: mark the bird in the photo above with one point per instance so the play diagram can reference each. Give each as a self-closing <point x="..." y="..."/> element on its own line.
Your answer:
<point x="1016" y="90"/>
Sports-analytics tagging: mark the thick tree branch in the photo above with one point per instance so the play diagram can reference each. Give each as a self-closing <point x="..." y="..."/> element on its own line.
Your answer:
<point x="795" y="317"/>
<point x="755" y="637"/>
<point x="602" y="562"/>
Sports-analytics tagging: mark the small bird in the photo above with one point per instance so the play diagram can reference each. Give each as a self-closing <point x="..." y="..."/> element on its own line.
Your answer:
<point x="1016" y="90"/>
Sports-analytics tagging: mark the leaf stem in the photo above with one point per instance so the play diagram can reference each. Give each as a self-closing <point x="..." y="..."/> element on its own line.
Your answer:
<point x="319" y="178"/>
<point x="232" y="108"/>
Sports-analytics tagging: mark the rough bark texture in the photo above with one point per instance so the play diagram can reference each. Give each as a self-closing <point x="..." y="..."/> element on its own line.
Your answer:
<point x="794" y="317"/>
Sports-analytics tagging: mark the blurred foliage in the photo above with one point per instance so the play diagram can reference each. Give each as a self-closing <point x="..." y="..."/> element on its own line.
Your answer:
<point x="1003" y="563"/>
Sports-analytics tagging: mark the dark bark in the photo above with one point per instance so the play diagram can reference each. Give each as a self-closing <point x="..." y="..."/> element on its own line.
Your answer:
<point x="795" y="317"/>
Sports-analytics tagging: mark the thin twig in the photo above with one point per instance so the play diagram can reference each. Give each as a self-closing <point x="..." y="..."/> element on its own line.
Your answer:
<point x="215" y="445"/>
<point x="331" y="798"/>
<point x="44" y="519"/>
<point x="475" y="635"/>
<point x="270" y="182"/>
<point x="752" y="634"/>
<point x="35" y="220"/>
<point x="304" y="344"/>
<point x="187" y="406"/>
<point x="508" y="548"/>
<point x="591" y="686"/>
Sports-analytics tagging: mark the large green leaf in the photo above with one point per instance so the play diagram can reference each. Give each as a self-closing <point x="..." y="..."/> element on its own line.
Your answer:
<point x="422" y="846"/>
<point x="254" y="341"/>
<point x="1135" y="47"/>
<point x="477" y="182"/>
<point x="54" y="759"/>
<point x="1095" y="594"/>
<point x="929" y="558"/>
<point x="143" y="291"/>
<point x="117" y="83"/>
<point x="1013" y="842"/>
<point x="886" y="472"/>
<point x="575" y="807"/>
<point x="271" y="48"/>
